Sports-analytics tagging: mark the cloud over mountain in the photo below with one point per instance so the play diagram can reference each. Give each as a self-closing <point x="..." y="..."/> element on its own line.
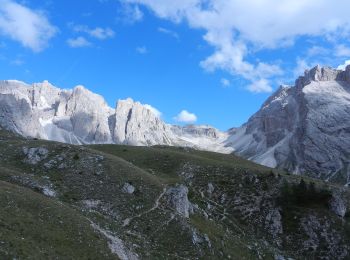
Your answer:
<point x="185" y="117"/>
<point x="31" y="28"/>
<point x="235" y="29"/>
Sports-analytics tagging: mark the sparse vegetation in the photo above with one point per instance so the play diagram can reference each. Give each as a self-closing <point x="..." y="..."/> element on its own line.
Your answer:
<point x="238" y="209"/>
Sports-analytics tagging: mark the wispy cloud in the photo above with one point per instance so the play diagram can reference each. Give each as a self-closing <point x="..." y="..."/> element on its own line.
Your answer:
<point x="29" y="27"/>
<point x="78" y="42"/>
<point x="260" y="86"/>
<point x="17" y="62"/>
<point x="130" y="14"/>
<point x="97" y="32"/>
<point x="342" y="50"/>
<point x="142" y="50"/>
<point x="155" y="111"/>
<point x="169" y="32"/>
<point x="225" y="82"/>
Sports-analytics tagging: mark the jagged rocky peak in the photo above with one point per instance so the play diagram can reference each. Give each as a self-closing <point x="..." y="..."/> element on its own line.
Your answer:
<point x="13" y="83"/>
<point x="197" y="130"/>
<point x="137" y="124"/>
<point x="319" y="73"/>
<point x="81" y="116"/>
<point x="129" y="103"/>
<point x="281" y="94"/>
<point x="43" y="95"/>
<point x="303" y="129"/>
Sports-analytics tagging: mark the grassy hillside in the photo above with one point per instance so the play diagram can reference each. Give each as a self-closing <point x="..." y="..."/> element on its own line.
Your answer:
<point x="160" y="203"/>
<point x="33" y="226"/>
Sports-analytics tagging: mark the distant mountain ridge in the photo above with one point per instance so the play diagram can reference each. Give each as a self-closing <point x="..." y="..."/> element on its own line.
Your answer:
<point x="79" y="116"/>
<point x="304" y="128"/>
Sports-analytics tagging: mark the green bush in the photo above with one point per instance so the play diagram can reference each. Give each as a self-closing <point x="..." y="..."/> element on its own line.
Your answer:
<point x="303" y="195"/>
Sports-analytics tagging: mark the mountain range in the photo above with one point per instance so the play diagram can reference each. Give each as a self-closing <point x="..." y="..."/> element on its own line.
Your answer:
<point x="304" y="129"/>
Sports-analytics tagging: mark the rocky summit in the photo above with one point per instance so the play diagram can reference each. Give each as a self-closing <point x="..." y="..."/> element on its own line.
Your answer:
<point x="304" y="129"/>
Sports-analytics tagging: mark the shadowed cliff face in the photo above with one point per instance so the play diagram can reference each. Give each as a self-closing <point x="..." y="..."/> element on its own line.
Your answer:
<point x="304" y="129"/>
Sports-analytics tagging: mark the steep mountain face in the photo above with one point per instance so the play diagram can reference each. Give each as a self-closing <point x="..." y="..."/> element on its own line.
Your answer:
<point x="304" y="129"/>
<point x="44" y="111"/>
<point x="134" y="124"/>
<point x="79" y="116"/>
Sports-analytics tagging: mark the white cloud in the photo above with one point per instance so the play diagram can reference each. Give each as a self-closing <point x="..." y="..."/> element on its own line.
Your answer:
<point x="302" y="65"/>
<point x="142" y="50"/>
<point x="102" y="33"/>
<point x="98" y="32"/>
<point x="232" y="27"/>
<point x="29" y="27"/>
<point x="260" y="86"/>
<point x="185" y="117"/>
<point x="342" y="51"/>
<point x="78" y="42"/>
<point x="17" y="62"/>
<point x="225" y="82"/>
<point x="343" y="66"/>
<point x="317" y="51"/>
<point x="131" y="13"/>
<point x="153" y="110"/>
<point x="168" y="32"/>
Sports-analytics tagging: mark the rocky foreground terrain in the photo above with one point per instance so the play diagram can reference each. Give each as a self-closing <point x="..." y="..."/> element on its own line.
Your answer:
<point x="123" y="202"/>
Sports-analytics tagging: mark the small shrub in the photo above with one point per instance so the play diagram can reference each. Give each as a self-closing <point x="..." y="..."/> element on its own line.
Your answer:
<point x="303" y="195"/>
<point x="76" y="156"/>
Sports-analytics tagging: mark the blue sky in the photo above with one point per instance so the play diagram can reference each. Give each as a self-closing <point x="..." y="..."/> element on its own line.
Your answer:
<point x="218" y="60"/>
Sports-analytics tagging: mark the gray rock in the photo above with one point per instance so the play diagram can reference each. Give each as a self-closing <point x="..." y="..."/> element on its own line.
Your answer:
<point x="196" y="238"/>
<point x="62" y="166"/>
<point x="49" y="191"/>
<point x="210" y="189"/>
<point x="35" y="155"/>
<point x="338" y="205"/>
<point x="178" y="200"/>
<point x="128" y="188"/>
<point x="273" y="223"/>
<point x="50" y="164"/>
<point x="279" y="257"/>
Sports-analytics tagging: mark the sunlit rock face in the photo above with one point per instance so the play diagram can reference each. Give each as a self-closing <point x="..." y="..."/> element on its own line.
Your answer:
<point x="79" y="116"/>
<point x="304" y="128"/>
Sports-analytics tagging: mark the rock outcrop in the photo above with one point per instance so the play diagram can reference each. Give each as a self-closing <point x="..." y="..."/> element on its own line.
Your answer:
<point x="338" y="205"/>
<point x="135" y="124"/>
<point x="35" y="155"/>
<point x="178" y="200"/>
